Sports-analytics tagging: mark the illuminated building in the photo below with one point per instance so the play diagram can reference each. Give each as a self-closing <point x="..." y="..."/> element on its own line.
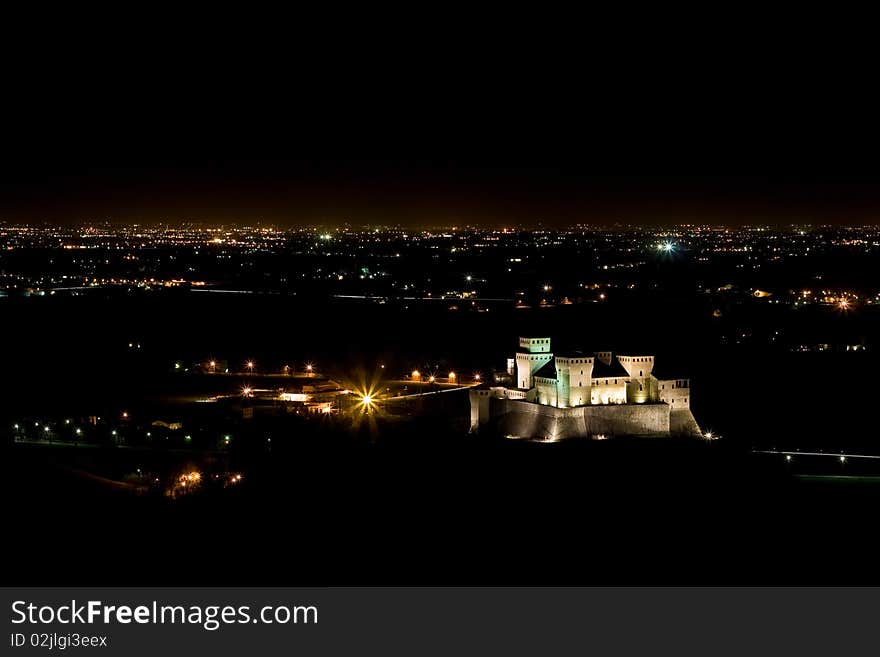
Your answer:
<point x="583" y="394"/>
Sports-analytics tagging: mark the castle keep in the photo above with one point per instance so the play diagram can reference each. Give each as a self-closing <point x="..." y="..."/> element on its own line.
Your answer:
<point x="596" y="395"/>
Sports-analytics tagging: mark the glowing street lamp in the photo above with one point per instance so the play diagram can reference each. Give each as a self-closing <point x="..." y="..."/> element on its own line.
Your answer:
<point x="477" y="376"/>
<point x="416" y="375"/>
<point x="250" y="365"/>
<point x="432" y="378"/>
<point x="309" y="367"/>
<point x="247" y="391"/>
<point x="452" y="376"/>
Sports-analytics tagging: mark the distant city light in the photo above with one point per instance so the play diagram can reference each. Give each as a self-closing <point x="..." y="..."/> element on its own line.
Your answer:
<point x="250" y="364"/>
<point x="666" y="247"/>
<point x="246" y="391"/>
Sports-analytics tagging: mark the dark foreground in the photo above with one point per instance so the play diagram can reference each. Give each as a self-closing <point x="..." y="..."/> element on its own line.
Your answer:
<point x="411" y="509"/>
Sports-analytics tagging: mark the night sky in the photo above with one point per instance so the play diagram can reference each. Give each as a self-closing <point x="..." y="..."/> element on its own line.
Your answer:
<point x="434" y="158"/>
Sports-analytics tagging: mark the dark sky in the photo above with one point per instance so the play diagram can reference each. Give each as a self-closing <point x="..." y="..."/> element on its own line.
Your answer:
<point x="486" y="154"/>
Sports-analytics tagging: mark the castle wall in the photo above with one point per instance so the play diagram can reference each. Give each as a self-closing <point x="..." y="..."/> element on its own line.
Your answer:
<point x="683" y="423"/>
<point x="675" y="392"/>
<point x="608" y="393"/>
<point x="640" y="391"/>
<point x="522" y="419"/>
<point x="547" y="391"/>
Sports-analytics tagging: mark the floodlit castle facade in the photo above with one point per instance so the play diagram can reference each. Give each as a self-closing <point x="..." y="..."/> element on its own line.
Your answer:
<point x="582" y="395"/>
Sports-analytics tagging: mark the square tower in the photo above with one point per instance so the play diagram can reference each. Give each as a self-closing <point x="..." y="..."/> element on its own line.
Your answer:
<point x="533" y="354"/>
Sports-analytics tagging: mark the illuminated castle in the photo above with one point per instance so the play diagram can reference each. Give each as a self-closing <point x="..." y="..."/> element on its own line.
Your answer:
<point x="582" y="395"/>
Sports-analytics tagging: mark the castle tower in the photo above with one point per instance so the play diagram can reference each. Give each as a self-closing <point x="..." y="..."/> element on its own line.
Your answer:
<point x="641" y="387"/>
<point x="574" y="374"/>
<point x="533" y="354"/>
